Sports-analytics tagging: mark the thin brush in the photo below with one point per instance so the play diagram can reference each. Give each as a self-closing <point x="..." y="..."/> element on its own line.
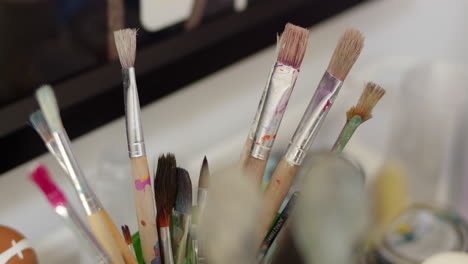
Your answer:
<point x="345" y="55"/>
<point x="183" y="208"/>
<point x="203" y="184"/>
<point x="227" y="227"/>
<point x="359" y="114"/>
<point x="274" y="100"/>
<point x="165" y="191"/>
<point x="125" y="41"/>
<point x="277" y="227"/>
<point x="38" y="122"/>
<point x="97" y="217"/>
<point x="40" y="176"/>
<point x="128" y="238"/>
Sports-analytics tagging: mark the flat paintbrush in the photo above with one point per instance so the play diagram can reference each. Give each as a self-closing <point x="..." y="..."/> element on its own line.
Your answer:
<point x="182" y="212"/>
<point x="345" y="55"/>
<point x="274" y="100"/>
<point x="359" y="114"/>
<point x="165" y="191"/>
<point x="97" y="216"/>
<point x="125" y="41"/>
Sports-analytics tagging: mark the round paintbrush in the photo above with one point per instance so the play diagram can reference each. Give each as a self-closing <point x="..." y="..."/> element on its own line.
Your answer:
<point x="165" y="192"/>
<point x="183" y="211"/>
<point x="345" y="55"/>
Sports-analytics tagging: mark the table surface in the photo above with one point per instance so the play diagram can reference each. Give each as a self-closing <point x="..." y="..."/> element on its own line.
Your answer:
<point x="211" y="117"/>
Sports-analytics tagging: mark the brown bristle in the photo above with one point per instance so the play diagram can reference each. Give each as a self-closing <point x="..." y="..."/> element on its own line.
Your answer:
<point x="165" y="183"/>
<point x="346" y="53"/>
<point x="369" y="98"/>
<point x="125" y="42"/>
<point x="127" y="235"/>
<point x="203" y="181"/>
<point x="163" y="218"/>
<point x="293" y="44"/>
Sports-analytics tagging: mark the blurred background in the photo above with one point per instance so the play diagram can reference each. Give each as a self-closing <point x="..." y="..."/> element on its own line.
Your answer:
<point x="200" y="77"/>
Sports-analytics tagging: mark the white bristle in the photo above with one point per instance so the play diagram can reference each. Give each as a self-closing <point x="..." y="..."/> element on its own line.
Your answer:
<point x="48" y="103"/>
<point x="39" y="124"/>
<point x="125" y="41"/>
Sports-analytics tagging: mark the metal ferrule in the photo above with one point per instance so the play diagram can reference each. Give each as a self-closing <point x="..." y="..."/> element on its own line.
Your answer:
<point x="280" y="86"/>
<point x="87" y="197"/>
<point x="166" y="244"/>
<point x="136" y="144"/>
<point x="313" y="118"/>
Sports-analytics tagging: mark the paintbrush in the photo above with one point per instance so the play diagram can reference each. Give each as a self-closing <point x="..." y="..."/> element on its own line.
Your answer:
<point x="277" y="227"/>
<point x="165" y="191"/>
<point x="227" y="228"/>
<point x="359" y="114"/>
<point x="40" y="176"/>
<point x="183" y="212"/>
<point x="203" y="184"/>
<point x="345" y="55"/>
<point x="97" y="217"/>
<point x="128" y="238"/>
<point x="125" y="41"/>
<point x="39" y="123"/>
<point x="331" y="215"/>
<point x="115" y="21"/>
<point x="274" y="100"/>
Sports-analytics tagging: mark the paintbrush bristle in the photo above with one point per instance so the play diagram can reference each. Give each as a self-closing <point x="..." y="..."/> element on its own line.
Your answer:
<point x="38" y="122"/>
<point x="346" y="53"/>
<point x="203" y="181"/>
<point x="183" y="202"/>
<point x="48" y="103"/>
<point x="369" y="98"/>
<point x="127" y="234"/>
<point x="125" y="41"/>
<point x="293" y="45"/>
<point x="165" y="184"/>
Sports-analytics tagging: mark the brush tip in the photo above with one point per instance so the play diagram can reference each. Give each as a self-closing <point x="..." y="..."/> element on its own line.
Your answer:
<point x="40" y="176"/>
<point x="38" y="122"/>
<point x="293" y="45"/>
<point x="367" y="101"/>
<point x="48" y="103"/>
<point x="127" y="235"/>
<point x="203" y="181"/>
<point x="346" y="53"/>
<point x="165" y="182"/>
<point x="125" y="42"/>
<point x="184" y="192"/>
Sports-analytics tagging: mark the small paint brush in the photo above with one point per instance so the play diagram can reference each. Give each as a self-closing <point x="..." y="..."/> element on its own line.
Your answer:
<point x="128" y="237"/>
<point x="165" y="191"/>
<point x="183" y="211"/>
<point x="98" y="218"/>
<point x="345" y="55"/>
<point x="125" y="41"/>
<point x="40" y="176"/>
<point x="274" y="100"/>
<point x="359" y="114"/>
<point x="203" y="183"/>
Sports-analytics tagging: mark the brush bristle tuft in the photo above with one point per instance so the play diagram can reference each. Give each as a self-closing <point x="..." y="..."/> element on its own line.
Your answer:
<point x="125" y="42"/>
<point x="48" y="104"/>
<point x="346" y="53"/>
<point x="127" y="235"/>
<point x="183" y="202"/>
<point x="38" y="122"/>
<point x="369" y="98"/>
<point x="165" y="183"/>
<point x="204" y="180"/>
<point x="293" y="45"/>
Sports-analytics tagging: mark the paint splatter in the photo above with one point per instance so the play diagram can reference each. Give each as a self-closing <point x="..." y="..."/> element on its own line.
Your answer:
<point x="143" y="223"/>
<point x="278" y="181"/>
<point x="327" y="105"/>
<point x="274" y="137"/>
<point x="157" y="254"/>
<point x="266" y="137"/>
<point x="140" y="184"/>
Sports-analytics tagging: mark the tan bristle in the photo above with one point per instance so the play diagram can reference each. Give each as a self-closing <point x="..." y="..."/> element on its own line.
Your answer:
<point x="293" y="44"/>
<point x="369" y="98"/>
<point x="125" y="41"/>
<point x="346" y="53"/>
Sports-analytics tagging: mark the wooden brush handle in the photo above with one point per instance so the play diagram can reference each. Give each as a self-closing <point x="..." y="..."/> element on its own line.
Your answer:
<point x="246" y="151"/>
<point x="255" y="168"/>
<point x="98" y="224"/>
<point x="119" y="240"/>
<point x="144" y="204"/>
<point x="275" y="193"/>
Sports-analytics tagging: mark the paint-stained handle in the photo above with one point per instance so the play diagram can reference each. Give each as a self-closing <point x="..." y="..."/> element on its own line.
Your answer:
<point x="254" y="169"/>
<point x="119" y="240"/>
<point x="275" y="193"/>
<point x="98" y="224"/>
<point x="146" y="215"/>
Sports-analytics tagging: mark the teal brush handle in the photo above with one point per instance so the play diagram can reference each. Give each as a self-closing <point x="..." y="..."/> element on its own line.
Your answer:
<point x="346" y="133"/>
